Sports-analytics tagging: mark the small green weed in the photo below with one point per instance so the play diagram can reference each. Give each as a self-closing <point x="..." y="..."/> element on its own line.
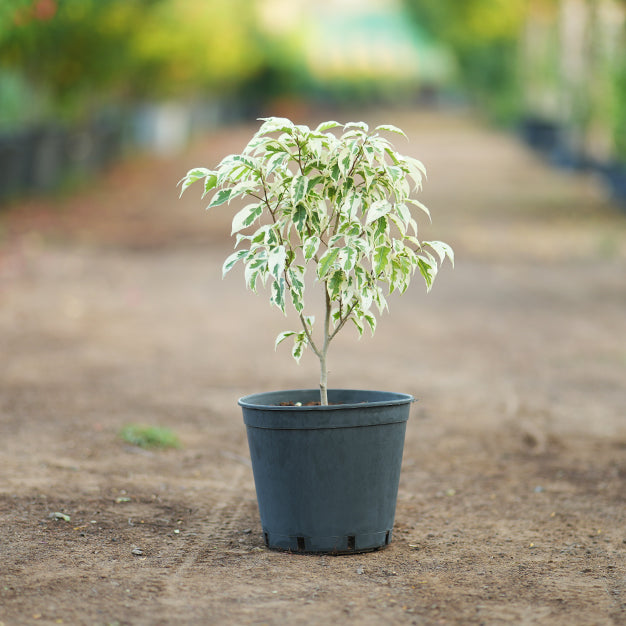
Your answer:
<point x="149" y="436"/>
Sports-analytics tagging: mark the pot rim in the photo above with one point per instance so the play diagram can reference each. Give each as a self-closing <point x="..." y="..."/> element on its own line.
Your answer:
<point x="267" y="400"/>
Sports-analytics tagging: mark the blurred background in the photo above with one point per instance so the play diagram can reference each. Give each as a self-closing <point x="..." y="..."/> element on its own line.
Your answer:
<point x="83" y="82"/>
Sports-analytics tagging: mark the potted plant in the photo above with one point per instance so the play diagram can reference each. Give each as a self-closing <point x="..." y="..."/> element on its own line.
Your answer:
<point x="330" y="204"/>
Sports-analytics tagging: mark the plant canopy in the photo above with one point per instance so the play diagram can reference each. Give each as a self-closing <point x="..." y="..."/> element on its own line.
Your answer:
<point x="333" y="204"/>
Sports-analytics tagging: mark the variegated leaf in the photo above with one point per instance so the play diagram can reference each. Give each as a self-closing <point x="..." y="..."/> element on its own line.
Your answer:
<point x="223" y="195"/>
<point x="246" y="217"/>
<point x="380" y="208"/>
<point x="230" y="262"/>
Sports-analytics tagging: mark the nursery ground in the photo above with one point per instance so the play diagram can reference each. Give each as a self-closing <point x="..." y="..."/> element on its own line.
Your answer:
<point x="512" y="501"/>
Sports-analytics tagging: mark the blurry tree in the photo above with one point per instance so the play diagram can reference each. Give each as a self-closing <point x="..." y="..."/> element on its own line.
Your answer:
<point x="483" y="35"/>
<point x="186" y="46"/>
<point x="618" y="88"/>
<point x="60" y="60"/>
<point x="73" y="50"/>
<point x="573" y="57"/>
<point x="78" y="52"/>
<point x="541" y="46"/>
<point x="9" y="10"/>
<point x="619" y="107"/>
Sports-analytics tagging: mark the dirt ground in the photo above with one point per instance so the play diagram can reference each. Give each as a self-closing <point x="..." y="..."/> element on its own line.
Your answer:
<point x="512" y="501"/>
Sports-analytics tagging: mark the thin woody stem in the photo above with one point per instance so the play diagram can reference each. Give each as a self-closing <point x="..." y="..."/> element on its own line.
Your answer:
<point x="309" y="337"/>
<point x="324" y="352"/>
<point x="344" y="319"/>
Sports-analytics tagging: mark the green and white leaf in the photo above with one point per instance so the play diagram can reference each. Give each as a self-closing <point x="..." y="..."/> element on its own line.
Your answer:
<point x="275" y="124"/>
<point x="428" y="271"/>
<point x="335" y="283"/>
<point x="442" y="249"/>
<point x="391" y="129"/>
<point x="246" y="217"/>
<point x="299" y="187"/>
<point x="381" y="260"/>
<point x="362" y="126"/>
<point x="416" y="164"/>
<point x="276" y="259"/>
<point x="324" y="126"/>
<point x="297" y="286"/>
<point x="403" y="213"/>
<point x="299" y="344"/>
<point x="256" y="268"/>
<point x="344" y="160"/>
<point x="348" y="257"/>
<point x="221" y="196"/>
<point x="378" y="209"/>
<point x="277" y="297"/>
<point x="243" y="188"/>
<point x="421" y="206"/>
<point x="282" y="336"/>
<point x="310" y="247"/>
<point x="276" y="161"/>
<point x="351" y="206"/>
<point x="245" y="161"/>
<point x="194" y="175"/>
<point x="326" y="262"/>
<point x="230" y="262"/>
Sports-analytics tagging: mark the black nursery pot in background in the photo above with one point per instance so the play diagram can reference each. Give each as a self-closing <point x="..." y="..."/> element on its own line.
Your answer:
<point x="541" y="134"/>
<point x="326" y="477"/>
<point x="615" y="176"/>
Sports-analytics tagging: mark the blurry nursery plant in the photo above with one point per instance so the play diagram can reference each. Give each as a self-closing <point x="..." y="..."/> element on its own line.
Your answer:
<point x="338" y="205"/>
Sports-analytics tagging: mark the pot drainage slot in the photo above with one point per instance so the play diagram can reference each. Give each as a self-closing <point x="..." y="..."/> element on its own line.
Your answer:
<point x="267" y="539"/>
<point x="351" y="542"/>
<point x="387" y="537"/>
<point x="301" y="546"/>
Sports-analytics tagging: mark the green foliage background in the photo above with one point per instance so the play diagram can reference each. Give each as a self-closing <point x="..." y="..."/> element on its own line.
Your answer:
<point x="77" y="52"/>
<point x="65" y="58"/>
<point x="483" y="36"/>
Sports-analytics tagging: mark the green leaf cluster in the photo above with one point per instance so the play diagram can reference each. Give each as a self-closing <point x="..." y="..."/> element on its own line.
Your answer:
<point x="332" y="204"/>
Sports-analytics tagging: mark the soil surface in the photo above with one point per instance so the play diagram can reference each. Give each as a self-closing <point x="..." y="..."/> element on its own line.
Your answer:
<point x="512" y="501"/>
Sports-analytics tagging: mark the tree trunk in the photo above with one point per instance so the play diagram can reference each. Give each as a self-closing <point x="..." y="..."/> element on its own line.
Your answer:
<point x="324" y="353"/>
<point x="323" y="381"/>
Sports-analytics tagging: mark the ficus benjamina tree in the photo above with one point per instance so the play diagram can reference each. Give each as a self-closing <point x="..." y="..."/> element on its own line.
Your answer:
<point x="333" y="203"/>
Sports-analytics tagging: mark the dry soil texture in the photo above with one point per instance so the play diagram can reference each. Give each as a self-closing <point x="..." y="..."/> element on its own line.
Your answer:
<point x="512" y="501"/>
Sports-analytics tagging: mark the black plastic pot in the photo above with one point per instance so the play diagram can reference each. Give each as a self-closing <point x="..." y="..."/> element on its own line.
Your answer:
<point x="326" y="477"/>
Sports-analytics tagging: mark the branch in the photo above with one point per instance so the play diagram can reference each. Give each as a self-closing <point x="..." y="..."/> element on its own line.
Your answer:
<point x="343" y="321"/>
<point x="327" y="336"/>
<point x="309" y="337"/>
